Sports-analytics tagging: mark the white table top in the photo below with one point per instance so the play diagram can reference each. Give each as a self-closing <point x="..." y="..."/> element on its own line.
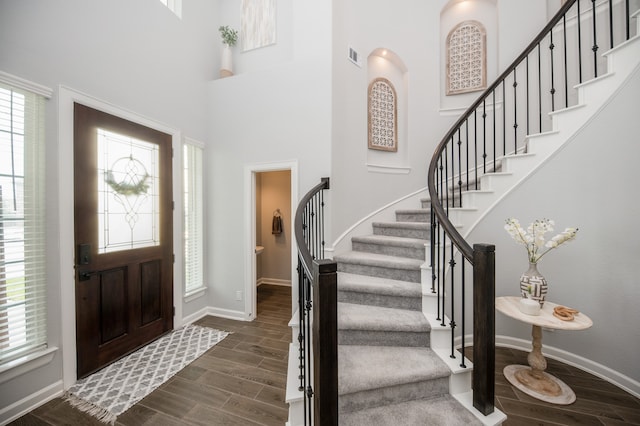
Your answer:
<point x="509" y="305"/>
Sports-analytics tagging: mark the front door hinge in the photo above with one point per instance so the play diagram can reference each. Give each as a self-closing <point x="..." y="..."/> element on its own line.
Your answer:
<point x="173" y="312"/>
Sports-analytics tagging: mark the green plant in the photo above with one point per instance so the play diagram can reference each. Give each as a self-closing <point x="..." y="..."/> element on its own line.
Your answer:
<point x="229" y="35"/>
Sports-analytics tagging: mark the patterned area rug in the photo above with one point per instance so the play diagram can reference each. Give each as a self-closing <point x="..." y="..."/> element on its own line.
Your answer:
<point x="112" y="390"/>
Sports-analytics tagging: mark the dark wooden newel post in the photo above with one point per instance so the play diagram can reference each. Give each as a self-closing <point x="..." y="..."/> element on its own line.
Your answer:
<point x="325" y="342"/>
<point x="484" y="327"/>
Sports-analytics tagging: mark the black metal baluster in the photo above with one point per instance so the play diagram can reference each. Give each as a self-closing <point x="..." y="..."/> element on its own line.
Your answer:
<point x="442" y="274"/>
<point x="566" y="72"/>
<point x="515" y="111"/>
<point x="459" y="168"/>
<point x="452" y="322"/>
<point x="579" y="17"/>
<point x="308" y="344"/>
<point x="611" y="24"/>
<point x="301" y="366"/>
<point x="432" y="243"/>
<point x="539" y="89"/>
<point x="463" y="306"/>
<point x="475" y="144"/>
<point x="466" y="134"/>
<point x="553" y="88"/>
<point x="595" y="40"/>
<point x="527" y="93"/>
<point x="322" y="222"/>
<point x="627" y="19"/>
<point x="453" y="173"/>
<point x="504" y="118"/>
<point x="484" y="136"/>
<point x="493" y="100"/>
<point x="446" y="181"/>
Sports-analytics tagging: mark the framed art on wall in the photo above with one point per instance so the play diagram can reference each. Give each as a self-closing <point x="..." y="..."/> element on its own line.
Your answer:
<point x="382" y="109"/>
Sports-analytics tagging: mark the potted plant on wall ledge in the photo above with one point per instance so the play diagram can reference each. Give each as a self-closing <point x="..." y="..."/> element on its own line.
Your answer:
<point x="229" y="39"/>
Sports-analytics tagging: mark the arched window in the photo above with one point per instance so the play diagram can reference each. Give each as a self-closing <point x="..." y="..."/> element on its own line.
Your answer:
<point x="466" y="58"/>
<point x="383" y="115"/>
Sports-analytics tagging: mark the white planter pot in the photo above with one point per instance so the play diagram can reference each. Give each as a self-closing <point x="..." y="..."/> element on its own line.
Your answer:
<point x="226" y="67"/>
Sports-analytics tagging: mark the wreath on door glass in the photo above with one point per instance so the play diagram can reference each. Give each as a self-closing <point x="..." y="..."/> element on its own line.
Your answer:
<point x="135" y="177"/>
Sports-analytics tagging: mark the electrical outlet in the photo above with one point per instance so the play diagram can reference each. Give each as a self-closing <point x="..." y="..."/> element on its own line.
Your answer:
<point x="238" y="295"/>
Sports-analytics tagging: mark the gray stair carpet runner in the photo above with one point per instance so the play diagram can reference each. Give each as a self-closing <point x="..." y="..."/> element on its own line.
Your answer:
<point x="387" y="372"/>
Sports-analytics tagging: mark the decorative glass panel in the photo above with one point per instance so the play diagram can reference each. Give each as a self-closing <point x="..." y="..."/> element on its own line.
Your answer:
<point x="128" y="193"/>
<point x="466" y="68"/>
<point x="383" y="115"/>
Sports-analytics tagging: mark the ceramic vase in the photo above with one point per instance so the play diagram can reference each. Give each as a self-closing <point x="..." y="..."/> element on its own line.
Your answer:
<point x="533" y="285"/>
<point x="226" y="64"/>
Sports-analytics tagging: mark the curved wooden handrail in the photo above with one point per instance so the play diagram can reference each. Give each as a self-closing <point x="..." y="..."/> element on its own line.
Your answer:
<point x="303" y="249"/>
<point x="438" y="209"/>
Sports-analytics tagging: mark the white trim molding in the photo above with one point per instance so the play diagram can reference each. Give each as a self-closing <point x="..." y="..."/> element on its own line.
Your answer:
<point x="21" y="83"/>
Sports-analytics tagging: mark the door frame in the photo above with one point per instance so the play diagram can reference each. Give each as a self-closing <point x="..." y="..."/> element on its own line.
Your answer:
<point x="66" y="98"/>
<point x="250" y="287"/>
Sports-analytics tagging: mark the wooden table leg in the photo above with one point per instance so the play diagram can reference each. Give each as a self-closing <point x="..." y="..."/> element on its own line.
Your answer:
<point x="534" y="381"/>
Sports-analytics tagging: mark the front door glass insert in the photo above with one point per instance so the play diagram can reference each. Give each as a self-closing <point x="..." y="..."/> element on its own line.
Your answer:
<point x="128" y="193"/>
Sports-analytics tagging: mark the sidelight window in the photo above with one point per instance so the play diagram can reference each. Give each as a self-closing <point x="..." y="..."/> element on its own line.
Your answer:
<point x="22" y="223"/>
<point x="193" y="218"/>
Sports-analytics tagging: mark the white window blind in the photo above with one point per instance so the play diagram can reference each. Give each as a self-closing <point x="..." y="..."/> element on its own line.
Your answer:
<point x="22" y="223"/>
<point x="193" y="219"/>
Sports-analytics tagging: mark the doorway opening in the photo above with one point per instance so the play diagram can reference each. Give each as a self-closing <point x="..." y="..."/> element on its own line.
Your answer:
<point x="271" y="244"/>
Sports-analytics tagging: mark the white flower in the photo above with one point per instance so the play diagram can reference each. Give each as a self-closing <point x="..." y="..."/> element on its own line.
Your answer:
<point x="533" y="237"/>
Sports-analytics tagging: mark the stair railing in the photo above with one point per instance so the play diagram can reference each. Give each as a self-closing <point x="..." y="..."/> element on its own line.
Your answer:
<point x="541" y="80"/>
<point x="318" y="312"/>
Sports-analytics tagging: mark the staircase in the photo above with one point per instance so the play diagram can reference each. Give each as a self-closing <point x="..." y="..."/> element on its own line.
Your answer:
<point x="388" y="368"/>
<point x="393" y="354"/>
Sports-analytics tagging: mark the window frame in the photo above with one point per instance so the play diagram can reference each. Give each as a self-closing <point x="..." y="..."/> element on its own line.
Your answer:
<point x="193" y="291"/>
<point x="38" y="352"/>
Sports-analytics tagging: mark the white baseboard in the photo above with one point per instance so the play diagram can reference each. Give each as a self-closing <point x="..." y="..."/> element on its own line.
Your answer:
<point x="228" y="313"/>
<point x="614" y="377"/>
<point x="30" y="402"/>
<point x="190" y="319"/>
<point x="216" y="312"/>
<point x="274" y="281"/>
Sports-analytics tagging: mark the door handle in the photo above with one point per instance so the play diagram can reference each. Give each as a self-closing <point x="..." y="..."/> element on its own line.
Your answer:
<point x="86" y="275"/>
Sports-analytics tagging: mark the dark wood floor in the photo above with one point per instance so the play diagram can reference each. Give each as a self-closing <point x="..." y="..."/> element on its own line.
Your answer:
<point x="241" y="381"/>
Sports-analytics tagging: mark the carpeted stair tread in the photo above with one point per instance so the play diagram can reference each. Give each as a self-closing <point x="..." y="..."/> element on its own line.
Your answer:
<point x="363" y="368"/>
<point x="375" y="318"/>
<point x="364" y="284"/>
<point x="391" y="240"/>
<point x="374" y="259"/>
<point x="441" y="411"/>
<point x="403" y="225"/>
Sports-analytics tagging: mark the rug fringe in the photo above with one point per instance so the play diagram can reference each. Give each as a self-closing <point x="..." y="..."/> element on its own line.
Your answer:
<point x="93" y="410"/>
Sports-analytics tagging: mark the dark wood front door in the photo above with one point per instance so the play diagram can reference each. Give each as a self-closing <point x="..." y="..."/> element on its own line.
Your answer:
<point x="123" y="236"/>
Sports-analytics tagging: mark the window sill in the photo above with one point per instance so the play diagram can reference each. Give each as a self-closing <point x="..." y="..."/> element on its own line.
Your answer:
<point x="194" y="294"/>
<point x="27" y="363"/>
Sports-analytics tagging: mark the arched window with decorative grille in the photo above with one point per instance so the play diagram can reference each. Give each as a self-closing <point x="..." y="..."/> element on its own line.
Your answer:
<point x="383" y="115"/>
<point x="466" y="58"/>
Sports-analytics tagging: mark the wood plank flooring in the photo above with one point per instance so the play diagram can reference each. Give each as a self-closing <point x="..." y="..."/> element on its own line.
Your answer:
<point x="241" y="381"/>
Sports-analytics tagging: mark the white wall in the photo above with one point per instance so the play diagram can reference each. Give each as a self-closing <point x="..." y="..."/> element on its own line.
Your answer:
<point x="265" y="115"/>
<point x="596" y="273"/>
<point x="136" y="55"/>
